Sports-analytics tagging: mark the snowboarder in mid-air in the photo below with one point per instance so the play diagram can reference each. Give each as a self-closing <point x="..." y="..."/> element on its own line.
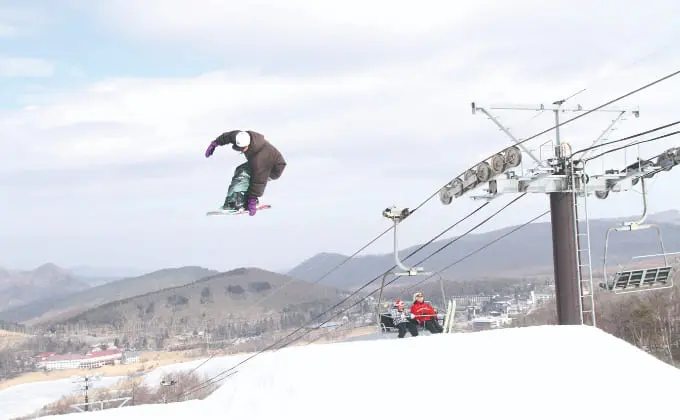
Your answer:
<point x="264" y="162"/>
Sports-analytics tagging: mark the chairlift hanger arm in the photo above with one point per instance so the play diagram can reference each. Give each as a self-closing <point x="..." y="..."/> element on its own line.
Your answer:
<point x="397" y="216"/>
<point x="638" y="224"/>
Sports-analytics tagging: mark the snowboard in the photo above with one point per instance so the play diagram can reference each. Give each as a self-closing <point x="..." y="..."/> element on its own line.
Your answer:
<point x="235" y="212"/>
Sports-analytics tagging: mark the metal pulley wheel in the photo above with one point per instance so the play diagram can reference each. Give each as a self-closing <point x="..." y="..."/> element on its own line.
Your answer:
<point x="513" y="156"/>
<point x="445" y="196"/>
<point x="498" y="163"/>
<point x="484" y="172"/>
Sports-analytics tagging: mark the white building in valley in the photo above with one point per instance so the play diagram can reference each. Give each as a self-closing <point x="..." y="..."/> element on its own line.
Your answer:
<point x="90" y="360"/>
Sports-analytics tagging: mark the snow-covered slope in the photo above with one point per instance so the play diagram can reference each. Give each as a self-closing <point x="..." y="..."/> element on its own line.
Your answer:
<point x="556" y="372"/>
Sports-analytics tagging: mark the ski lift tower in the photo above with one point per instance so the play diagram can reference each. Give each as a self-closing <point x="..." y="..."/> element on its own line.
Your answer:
<point x="564" y="179"/>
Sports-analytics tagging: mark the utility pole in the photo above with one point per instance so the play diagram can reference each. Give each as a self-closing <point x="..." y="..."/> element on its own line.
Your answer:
<point x="564" y="182"/>
<point x="167" y="383"/>
<point x="86" y="382"/>
<point x="208" y="337"/>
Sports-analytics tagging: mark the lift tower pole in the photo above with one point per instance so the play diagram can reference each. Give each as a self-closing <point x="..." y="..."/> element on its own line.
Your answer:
<point x="565" y="242"/>
<point x="567" y="264"/>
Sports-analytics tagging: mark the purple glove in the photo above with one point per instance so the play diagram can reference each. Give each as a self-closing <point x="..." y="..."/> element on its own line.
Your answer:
<point x="252" y="206"/>
<point x="211" y="148"/>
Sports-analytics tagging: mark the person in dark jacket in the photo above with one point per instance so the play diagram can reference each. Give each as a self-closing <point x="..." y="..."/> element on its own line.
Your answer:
<point x="264" y="163"/>
<point x="403" y="321"/>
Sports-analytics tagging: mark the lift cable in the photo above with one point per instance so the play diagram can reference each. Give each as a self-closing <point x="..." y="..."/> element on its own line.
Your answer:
<point x="468" y="232"/>
<point x="673" y="133"/>
<point x="483" y="247"/>
<point x="353" y="255"/>
<point x="452" y="241"/>
<point x="625" y="138"/>
<point x="314" y="282"/>
<point x="214" y="378"/>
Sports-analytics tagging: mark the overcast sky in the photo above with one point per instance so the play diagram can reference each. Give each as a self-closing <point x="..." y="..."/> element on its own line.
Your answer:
<point x="106" y="109"/>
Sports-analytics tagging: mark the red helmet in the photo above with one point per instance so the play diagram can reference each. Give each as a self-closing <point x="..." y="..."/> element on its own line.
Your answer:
<point x="398" y="303"/>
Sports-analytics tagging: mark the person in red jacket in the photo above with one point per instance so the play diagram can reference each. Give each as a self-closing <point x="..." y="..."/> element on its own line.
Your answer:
<point x="425" y="314"/>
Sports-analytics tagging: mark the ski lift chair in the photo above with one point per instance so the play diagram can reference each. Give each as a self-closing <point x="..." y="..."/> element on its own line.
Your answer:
<point x="384" y="318"/>
<point x="387" y="323"/>
<point x="387" y="320"/>
<point x="637" y="279"/>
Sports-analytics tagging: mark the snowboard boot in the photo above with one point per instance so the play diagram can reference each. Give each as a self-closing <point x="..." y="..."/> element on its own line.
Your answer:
<point x="236" y="202"/>
<point x="229" y="205"/>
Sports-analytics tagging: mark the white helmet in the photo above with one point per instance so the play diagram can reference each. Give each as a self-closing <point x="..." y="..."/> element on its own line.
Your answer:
<point x="242" y="139"/>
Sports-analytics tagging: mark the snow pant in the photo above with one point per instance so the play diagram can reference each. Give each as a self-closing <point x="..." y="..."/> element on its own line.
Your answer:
<point x="404" y="326"/>
<point x="433" y="326"/>
<point x="238" y="188"/>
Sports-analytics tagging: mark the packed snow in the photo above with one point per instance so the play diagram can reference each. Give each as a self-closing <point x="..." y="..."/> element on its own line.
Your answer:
<point x="566" y="371"/>
<point x="203" y="367"/>
<point x="28" y="399"/>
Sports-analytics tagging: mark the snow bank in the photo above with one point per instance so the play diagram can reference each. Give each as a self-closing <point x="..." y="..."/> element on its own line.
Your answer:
<point x="24" y="399"/>
<point x="562" y="372"/>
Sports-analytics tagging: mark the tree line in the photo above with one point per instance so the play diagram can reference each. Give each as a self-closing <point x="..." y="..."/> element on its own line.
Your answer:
<point x="14" y="327"/>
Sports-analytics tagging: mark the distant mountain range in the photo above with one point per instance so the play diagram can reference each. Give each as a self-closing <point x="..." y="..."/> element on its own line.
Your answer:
<point x="105" y="272"/>
<point x="190" y="294"/>
<point x="49" y="281"/>
<point x="85" y="297"/>
<point x="240" y="294"/>
<point x="45" y="282"/>
<point x="525" y="252"/>
<point x="50" y="293"/>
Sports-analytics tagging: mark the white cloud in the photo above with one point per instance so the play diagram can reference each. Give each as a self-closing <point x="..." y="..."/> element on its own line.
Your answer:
<point x="25" y="67"/>
<point x="124" y="156"/>
<point x="17" y="19"/>
<point x="7" y="31"/>
<point x="304" y="37"/>
<point x="245" y="21"/>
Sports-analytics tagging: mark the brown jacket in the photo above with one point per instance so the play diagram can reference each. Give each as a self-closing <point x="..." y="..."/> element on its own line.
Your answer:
<point x="265" y="160"/>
